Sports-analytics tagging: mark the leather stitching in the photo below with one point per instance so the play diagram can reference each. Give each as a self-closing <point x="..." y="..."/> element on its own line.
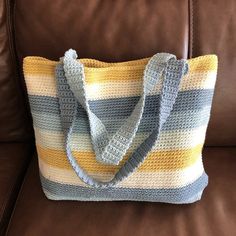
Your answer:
<point x="191" y="18"/>
<point x="10" y="9"/>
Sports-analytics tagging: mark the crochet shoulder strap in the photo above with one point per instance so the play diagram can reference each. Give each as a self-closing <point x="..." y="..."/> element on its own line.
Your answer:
<point x="172" y="71"/>
<point x="112" y="150"/>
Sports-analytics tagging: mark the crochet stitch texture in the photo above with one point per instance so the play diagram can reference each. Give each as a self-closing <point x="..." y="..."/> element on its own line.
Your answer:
<point x="111" y="93"/>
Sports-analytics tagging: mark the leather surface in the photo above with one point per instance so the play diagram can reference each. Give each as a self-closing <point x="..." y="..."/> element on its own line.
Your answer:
<point x="214" y="31"/>
<point x="121" y="30"/>
<point x="14" y="125"/>
<point x="214" y="215"/>
<point x="106" y="30"/>
<point x="113" y="32"/>
<point x="116" y="31"/>
<point x="13" y="161"/>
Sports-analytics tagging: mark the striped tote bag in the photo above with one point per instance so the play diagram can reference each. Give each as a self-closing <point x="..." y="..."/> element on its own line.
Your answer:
<point x="121" y="131"/>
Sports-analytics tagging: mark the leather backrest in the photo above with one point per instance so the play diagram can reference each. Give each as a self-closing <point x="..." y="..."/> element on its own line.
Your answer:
<point x="14" y="119"/>
<point x="105" y="30"/>
<point x="214" y="31"/>
<point x="123" y="30"/>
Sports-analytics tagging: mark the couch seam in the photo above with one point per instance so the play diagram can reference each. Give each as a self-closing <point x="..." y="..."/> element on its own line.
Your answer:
<point x="9" y="36"/>
<point x="190" y="27"/>
<point x="15" y="67"/>
<point x="29" y="136"/>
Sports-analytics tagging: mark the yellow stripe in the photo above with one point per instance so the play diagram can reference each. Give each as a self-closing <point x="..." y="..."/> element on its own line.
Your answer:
<point x="96" y="71"/>
<point x="139" y="179"/>
<point x="157" y="160"/>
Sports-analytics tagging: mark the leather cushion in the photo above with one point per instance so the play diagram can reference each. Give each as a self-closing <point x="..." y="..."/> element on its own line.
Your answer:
<point x="214" y="215"/>
<point x="14" y="158"/>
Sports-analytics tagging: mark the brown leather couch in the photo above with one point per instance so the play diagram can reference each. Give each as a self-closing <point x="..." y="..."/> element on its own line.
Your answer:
<point x="114" y="31"/>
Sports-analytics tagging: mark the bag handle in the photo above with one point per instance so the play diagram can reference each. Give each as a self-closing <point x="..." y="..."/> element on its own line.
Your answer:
<point x="112" y="151"/>
<point x="174" y="71"/>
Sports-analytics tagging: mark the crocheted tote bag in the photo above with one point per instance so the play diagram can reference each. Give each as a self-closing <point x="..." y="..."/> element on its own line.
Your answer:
<point x="121" y="131"/>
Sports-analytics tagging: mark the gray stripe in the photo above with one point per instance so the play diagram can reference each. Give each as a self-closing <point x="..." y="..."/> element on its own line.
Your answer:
<point x="51" y="196"/>
<point x="122" y="107"/>
<point x="176" y="121"/>
<point x="187" y="194"/>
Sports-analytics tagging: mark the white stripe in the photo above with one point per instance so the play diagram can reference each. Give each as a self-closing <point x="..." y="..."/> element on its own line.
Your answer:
<point x="168" y="140"/>
<point x="46" y="86"/>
